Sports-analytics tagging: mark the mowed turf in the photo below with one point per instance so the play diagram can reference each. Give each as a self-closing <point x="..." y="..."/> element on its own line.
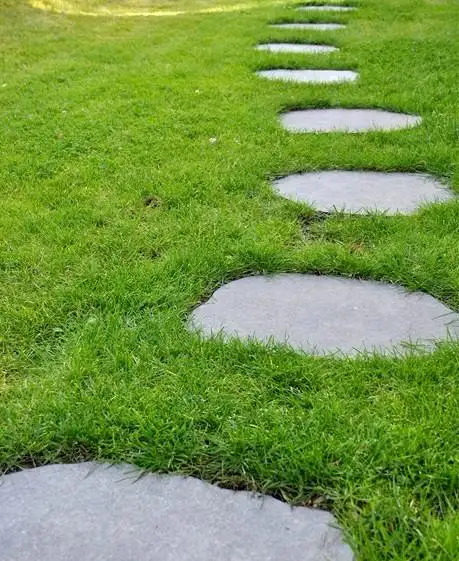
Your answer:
<point x="136" y="157"/>
<point x="146" y="7"/>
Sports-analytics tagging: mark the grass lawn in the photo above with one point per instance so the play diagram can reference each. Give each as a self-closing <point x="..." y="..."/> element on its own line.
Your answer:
<point x="102" y="114"/>
<point x="148" y="7"/>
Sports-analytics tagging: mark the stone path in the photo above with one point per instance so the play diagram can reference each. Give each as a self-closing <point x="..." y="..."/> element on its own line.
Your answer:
<point x="93" y="512"/>
<point x="347" y="120"/>
<point x="309" y="76"/>
<point x="296" y="48"/>
<point x="320" y="314"/>
<point x="330" y="314"/>
<point x="361" y="191"/>
<point x="90" y="512"/>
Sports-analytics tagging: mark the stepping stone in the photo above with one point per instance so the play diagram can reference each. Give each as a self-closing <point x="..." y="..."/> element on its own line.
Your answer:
<point x="361" y="191"/>
<point x="296" y="48"/>
<point x="347" y="120"/>
<point x="309" y="76"/>
<point x="313" y="26"/>
<point x="322" y="315"/>
<point x="96" y="512"/>
<point x="326" y="8"/>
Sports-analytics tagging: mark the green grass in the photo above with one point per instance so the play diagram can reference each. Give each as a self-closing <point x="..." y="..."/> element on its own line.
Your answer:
<point x="96" y="362"/>
<point x="146" y="7"/>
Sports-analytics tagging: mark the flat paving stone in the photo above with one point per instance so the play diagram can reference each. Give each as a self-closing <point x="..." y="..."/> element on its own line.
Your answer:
<point x="93" y="512"/>
<point x="347" y="120"/>
<point x="326" y="8"/>
<point x="311" y="26"/>
<point x="361" y="191"/>
<point x="322" y="315"/>
<point x="309" y="76"/>
<point x="296" y="48"/>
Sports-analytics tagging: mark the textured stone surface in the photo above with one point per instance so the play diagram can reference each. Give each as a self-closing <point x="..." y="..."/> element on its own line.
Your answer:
<point x="296" y="48"/>
<point x="360" y="191"/>
<point x="326" y="8"/>
<point x="309" y="76"/>
<point x="312" y="26"/>
<point x="324" y="314"/>
<point x="89" y="512"/>
<point x="347" y="120"/>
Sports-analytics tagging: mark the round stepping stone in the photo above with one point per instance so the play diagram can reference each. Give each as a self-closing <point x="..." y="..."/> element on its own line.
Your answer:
<point x="326" y="8"/>
<point x="296" y="48"/>
<point x="309" y="76"/>
<point x="96" y="512"/>
<point x="321" y="315"/>
<point x="360" y="191"/>
<point x="312" y="26"/>
<point x="347" y="120"/>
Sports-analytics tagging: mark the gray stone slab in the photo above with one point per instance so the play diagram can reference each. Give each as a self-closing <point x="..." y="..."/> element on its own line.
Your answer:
<point x="297" y="48"/>
<point x="347" y="120"/>
<point x="310" y="26"/>
<point x="90" y="512"/>
<point x="363" y="191"/>
<point x="320" y="314"/>
<point x="309" y="76"/>
<point x="326" y="8"/>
